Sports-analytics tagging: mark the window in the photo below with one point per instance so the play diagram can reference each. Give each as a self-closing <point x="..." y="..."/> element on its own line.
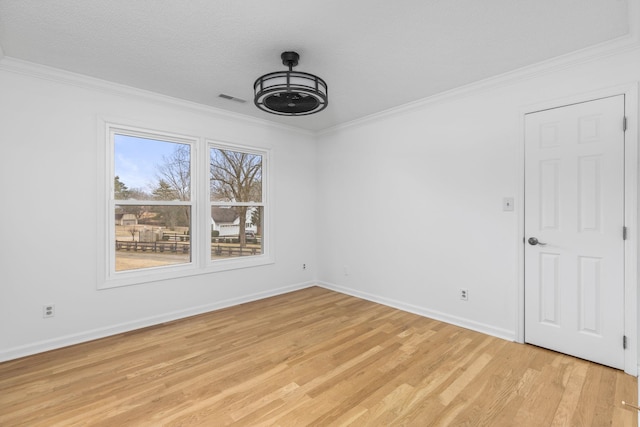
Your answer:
<point x="152" y="202"/>
<point x="237" y="208"/>
<point x="165" y="218"/>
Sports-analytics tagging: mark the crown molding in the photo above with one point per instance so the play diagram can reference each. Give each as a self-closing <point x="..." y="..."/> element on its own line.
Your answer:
<point x="623" y="44"/>
<point x="594" y="53"/>
<point x="26" y="68"/>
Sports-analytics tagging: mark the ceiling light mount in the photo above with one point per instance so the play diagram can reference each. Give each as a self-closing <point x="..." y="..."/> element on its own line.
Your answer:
<point x="290" y="59"/>
<point x="290" y="93"/>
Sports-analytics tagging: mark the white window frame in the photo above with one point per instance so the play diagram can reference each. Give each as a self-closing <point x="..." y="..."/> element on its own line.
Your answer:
<point x="244" y="261"/>
<point x="200" y="237"/>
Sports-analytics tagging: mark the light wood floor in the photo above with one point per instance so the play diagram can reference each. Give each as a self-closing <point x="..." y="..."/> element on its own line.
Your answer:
<point x="312" y="357"/>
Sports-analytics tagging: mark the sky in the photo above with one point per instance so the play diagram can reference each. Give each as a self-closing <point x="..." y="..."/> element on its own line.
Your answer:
<point x="135" y="160"/>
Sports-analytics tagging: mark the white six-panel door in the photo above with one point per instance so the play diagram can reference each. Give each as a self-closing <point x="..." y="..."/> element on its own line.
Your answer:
<point x="574" y="208"/>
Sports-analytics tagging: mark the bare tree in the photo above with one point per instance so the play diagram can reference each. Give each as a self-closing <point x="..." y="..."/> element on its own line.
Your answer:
<point x="122" y="192"/>
<point x="176" y="171"/>
<point x="132" y="230"/>
<point x="174" y="177"/>
<point x="236" y="177"/>
<point x="138" y="210"/>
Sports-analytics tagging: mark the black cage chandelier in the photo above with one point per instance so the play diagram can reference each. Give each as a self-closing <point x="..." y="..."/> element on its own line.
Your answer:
<point x="290" y="93"/>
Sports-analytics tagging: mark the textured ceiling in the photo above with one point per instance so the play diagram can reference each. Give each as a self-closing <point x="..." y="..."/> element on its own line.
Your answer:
<point x="373" y="54"/>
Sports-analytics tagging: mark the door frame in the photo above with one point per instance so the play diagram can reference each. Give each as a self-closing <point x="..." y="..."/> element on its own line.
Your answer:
<point x="631" y="197"/>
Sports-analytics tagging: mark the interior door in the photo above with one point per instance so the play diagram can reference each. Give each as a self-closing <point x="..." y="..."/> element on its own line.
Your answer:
<point x="574" y="220"/>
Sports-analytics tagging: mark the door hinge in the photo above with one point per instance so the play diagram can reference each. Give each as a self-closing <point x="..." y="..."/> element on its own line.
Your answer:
<point x="624" y="342"/>
<point x="624" y="124"/>
<point x="624" y="233"/>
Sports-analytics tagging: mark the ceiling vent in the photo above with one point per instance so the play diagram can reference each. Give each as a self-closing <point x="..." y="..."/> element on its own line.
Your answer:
<point x="231" y="98"/>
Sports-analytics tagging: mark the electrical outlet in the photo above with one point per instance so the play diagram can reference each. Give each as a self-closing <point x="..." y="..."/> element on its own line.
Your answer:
<point x="304" y="266"/>
<point x="464" y="294"/>
<point x="48" y="310"/>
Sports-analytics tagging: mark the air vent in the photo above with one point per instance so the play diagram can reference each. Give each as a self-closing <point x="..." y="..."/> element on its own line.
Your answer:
<point x="232" y="98"/>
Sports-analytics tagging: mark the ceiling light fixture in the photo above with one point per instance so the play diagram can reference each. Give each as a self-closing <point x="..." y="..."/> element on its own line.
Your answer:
<point x="290" y="93"/>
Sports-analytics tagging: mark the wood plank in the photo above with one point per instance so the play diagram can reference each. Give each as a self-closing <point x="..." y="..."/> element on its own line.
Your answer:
<point x="312" y="357"/>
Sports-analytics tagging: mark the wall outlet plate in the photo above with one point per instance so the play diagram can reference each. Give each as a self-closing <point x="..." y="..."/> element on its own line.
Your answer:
<point x="48" y="310"/>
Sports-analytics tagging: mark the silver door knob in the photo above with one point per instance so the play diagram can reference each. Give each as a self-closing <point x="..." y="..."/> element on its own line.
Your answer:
<point x="534" y="241"/>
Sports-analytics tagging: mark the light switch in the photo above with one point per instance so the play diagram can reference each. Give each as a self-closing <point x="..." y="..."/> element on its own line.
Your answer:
<point x="507" y="204"/>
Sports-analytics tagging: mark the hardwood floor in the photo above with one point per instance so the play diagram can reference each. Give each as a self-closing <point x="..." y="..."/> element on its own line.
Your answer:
<point x="312" y="357"/>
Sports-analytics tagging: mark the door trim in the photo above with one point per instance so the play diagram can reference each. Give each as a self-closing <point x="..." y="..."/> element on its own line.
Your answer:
<point x="630" y="92"/>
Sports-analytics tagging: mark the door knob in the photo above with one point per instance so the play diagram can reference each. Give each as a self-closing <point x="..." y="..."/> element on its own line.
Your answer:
<point x="534" y="241"/>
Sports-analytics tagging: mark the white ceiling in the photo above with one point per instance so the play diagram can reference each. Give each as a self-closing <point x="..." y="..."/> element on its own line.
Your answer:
<point x="373" y="54"/>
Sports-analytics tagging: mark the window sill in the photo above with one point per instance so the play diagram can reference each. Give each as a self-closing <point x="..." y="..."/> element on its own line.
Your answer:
<point x="149" y="275"/>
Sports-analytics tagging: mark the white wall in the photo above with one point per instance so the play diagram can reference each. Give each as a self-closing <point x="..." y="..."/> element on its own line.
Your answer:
<point x="49" y="142"/>
<point x="441" y="168"/>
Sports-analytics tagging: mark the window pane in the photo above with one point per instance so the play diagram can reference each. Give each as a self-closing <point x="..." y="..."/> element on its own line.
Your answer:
<point x="151" y="236"/>
<point x="227" y="238"/>
<point x="235" y="176"/>
<point x="147" y="169"/>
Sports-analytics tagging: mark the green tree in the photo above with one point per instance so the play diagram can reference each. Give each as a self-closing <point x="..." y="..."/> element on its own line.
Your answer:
<point x="256" y="219"/>
<point x="120" y="190"/>
<point x="164" y="191"/>
<point x="171" y="215"/>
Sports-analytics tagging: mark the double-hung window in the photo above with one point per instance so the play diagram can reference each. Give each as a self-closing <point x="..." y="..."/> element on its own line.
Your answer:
<point x="179" y="205"/>
<point x="237" y="204"/>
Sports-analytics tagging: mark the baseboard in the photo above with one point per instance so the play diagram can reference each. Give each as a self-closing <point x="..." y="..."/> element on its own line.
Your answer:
<point x="443" y="317"/>
<point x="68" y="340"/>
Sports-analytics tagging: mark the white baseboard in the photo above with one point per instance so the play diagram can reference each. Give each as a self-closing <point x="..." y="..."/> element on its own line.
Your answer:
<point x="65" y="341"/>
<point x="443" y="317"/>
